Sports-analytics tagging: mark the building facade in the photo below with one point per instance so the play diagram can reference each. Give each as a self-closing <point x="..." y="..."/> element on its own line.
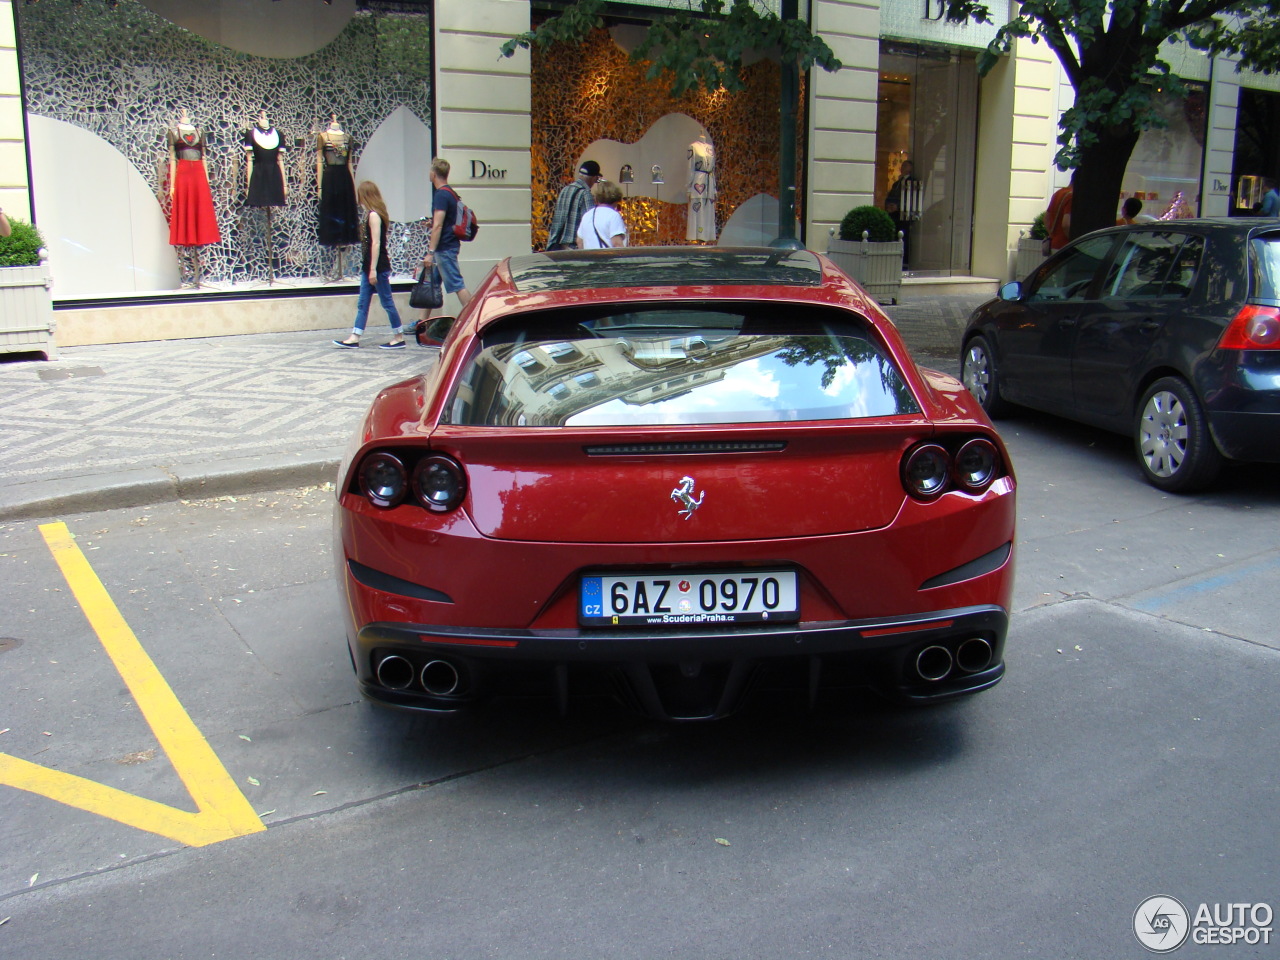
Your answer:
<point x="92" y="92"/>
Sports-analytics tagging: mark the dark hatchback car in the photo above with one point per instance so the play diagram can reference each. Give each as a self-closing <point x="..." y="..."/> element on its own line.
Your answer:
<point x="1168" y="332"/>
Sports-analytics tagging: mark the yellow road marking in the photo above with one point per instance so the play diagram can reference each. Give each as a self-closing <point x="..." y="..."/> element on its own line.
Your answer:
<point x="223" y="810"/>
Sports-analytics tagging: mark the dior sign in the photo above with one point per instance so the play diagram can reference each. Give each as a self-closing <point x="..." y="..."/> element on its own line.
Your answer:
<point x="482" y="171"/>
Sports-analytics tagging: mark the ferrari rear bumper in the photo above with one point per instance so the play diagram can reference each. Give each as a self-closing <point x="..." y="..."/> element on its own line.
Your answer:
<point x="692" y="674"/>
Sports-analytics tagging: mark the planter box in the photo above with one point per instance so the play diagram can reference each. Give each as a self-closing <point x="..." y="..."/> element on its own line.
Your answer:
<point x="876" y="266"/>
<point x="26" y="311"/>
<point x="1029" y="257"/>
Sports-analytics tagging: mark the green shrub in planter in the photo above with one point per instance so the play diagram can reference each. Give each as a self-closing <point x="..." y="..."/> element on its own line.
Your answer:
<point x="1038" y="231"/>
<point x="22" y="247"/>
<point x="878" y="225"/>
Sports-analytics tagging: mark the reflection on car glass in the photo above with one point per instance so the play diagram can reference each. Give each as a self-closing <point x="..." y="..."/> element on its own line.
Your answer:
<point x="1071" y="276"/>
<point x="1153" y="264"/>
<point x="736" y="369"/>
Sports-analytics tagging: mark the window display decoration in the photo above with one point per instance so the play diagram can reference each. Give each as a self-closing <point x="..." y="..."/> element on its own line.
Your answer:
<point x="595" y="92"/>
<point x="122" y="73"/>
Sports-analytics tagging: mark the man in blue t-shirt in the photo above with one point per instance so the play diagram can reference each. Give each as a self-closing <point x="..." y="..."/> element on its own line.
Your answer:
<point x="1270" y="199"/>
<point x="443" y="246"/>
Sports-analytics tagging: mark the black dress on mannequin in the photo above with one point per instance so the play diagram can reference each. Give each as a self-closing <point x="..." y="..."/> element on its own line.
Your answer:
<point x="339" y="224"/>
<point x="266" y="183"/>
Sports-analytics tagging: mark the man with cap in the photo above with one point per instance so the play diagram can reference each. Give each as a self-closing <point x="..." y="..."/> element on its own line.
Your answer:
<point x="574" y="201"/>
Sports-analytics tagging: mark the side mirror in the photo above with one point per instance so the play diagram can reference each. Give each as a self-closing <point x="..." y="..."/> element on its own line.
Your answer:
<point x="433" y="331"/>
<point x="1011" y="290"/>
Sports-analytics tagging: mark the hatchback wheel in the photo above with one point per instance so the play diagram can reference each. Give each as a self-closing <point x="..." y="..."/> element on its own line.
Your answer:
<point x="1172" y="438"/>
<point x="982" y="378"/>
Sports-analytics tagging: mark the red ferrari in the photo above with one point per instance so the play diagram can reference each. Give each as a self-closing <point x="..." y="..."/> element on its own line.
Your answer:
<point x="682" y="477"/>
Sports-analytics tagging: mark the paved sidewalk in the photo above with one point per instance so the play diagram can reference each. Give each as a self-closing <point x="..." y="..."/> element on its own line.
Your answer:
<point x="131" y="424"/>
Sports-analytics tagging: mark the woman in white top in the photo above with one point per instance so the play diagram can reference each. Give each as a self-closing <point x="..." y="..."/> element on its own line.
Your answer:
<point x="602" y="226"/>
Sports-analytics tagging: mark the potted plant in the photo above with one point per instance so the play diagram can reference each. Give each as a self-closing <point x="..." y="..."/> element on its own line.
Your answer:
<point x="26" y="306"/>
<point x="1029" y="254"/>
<point x="869" y="249"/>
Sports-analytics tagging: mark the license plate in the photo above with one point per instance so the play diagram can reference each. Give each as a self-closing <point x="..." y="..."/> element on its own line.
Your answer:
<point x="744" y="596"/>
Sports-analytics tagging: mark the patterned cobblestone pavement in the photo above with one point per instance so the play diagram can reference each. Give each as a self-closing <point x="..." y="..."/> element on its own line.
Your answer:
<point x="123" y="406"/>
<point x="100" y="411"/>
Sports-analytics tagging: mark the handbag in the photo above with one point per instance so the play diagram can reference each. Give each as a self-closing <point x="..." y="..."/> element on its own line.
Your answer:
<point x="427" y="293"/>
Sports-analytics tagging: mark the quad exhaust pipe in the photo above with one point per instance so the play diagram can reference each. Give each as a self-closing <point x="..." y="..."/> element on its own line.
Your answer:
<point x="973" y="655"/>
<point x="936" y="662"/>
<point x="395" y="673"/>
<point x="440" y="678"/>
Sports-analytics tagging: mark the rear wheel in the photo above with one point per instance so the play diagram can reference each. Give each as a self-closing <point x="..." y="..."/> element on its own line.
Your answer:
<point x="1172" y="438"/>
<point x="982" y="378"/>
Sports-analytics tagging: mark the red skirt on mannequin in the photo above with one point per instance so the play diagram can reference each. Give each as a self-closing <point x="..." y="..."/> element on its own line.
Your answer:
<point x="192" y="222"/>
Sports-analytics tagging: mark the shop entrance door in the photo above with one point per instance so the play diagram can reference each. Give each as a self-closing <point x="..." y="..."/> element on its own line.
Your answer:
<point x="928" y="115"/>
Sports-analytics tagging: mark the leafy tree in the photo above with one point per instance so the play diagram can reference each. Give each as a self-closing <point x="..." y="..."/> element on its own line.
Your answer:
<point x="700" y="45"/>
<point x="1111" y="53"/>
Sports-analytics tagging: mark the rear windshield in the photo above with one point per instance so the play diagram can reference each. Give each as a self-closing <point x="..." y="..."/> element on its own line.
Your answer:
<point x="677" y="366"/>
<point x="1266" y="263"/>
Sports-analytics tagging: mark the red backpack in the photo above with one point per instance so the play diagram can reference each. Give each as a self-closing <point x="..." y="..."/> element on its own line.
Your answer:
<point x="465" y="224"/>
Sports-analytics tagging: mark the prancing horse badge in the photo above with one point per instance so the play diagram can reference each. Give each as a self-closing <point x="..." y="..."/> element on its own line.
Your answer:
<point x="683" y="495"/>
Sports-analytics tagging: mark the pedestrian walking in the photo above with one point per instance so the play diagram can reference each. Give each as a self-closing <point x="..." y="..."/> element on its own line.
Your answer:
<point x="602" y="226"/>
<point x="443" y="244"/>
<point x="1057" y="218"/>
<point x="574" y="200"/>
<point x="376" y="269"/>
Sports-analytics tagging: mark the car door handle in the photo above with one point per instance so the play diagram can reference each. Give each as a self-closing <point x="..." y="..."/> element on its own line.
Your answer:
<point x="1149" y="325"/>
<point x="1068" y="321"/>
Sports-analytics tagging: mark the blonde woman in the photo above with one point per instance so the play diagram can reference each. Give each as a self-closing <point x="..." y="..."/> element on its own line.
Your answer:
<point x="602" y="226"/>
<point x="376" y="273"/>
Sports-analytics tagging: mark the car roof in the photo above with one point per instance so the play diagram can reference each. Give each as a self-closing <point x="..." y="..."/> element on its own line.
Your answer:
<point x="1233" y="225"/>
<point x="663" y="267"/>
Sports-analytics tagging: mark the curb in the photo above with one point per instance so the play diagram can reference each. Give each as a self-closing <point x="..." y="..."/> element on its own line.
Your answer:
<point x="137" y="488"/>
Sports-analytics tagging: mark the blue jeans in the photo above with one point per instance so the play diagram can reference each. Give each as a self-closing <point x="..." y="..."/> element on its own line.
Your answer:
<point x="450" y="275"/>
<point x="384" y="298"/>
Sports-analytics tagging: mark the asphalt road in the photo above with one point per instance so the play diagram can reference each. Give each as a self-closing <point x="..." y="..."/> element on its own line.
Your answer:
<point x="1130" y="752"/>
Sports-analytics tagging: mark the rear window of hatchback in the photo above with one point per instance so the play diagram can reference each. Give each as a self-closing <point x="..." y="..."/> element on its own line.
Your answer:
<point x="678" y="365"/>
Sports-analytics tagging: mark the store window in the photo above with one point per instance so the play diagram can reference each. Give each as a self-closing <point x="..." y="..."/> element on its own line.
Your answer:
<point x="701" y="167"/>
<point x="925" y="145"/>
<point x="1257" y="149"/>
<point x="121" y="99"/>
<point x="1165" y="166"/>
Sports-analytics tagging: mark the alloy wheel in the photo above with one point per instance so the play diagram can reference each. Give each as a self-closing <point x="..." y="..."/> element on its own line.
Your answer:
<point x="977" y="371"/>
<point x="1163" y="439"/>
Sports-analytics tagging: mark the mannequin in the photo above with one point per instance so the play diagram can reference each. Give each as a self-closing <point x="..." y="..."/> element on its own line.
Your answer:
<point x="701" y="191"/>
<point x="192" y="222"/>
<point x="264" y="174"/>
<point x="339" y="220"/>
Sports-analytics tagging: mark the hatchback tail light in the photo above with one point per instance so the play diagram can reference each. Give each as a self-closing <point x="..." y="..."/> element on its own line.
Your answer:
<point x="967" y="464"/>
<point x="1254" y="328"/>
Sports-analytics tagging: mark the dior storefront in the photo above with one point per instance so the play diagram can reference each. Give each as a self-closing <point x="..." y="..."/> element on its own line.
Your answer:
<point x="201" y="149"/>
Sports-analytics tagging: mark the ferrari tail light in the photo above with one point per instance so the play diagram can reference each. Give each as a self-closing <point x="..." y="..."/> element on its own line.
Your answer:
<point x="926" y="471"/>
<point x="439" y="483"/>
<point x="387" y="478"/>
<point x="977" y="464"/>
<point x="383" y="479"/>
<point x="1255" y="327"/>
<point x="931" y="469"/>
